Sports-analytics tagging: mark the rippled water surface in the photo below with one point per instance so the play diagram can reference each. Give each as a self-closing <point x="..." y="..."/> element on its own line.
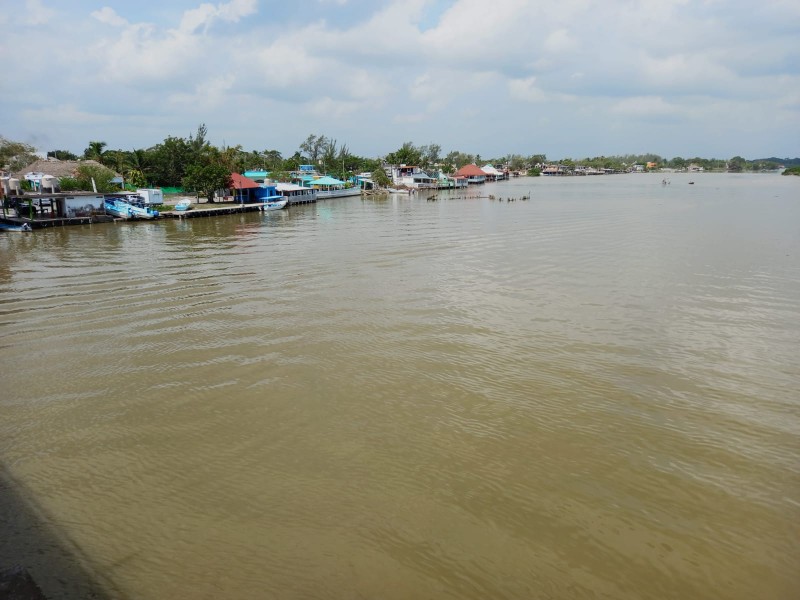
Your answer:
<point x="589" y="394"/>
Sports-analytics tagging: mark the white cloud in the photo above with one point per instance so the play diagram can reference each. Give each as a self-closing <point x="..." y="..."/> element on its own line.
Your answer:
<point x="560" y="42"/>
<point x="109" y="16"/>
<point x="36" y="13"/>
<point x="205" y="14"/>
<point x="645" y="106"/>
<point x="526" y="90"/>
<point x="374" y="72"/>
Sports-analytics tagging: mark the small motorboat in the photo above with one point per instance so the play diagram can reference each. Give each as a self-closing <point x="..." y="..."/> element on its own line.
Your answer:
<point x="184" y="204"/>
<point x="23" y="228"/>
<point x="275" y="204"/>
<point x="128" y="209"/>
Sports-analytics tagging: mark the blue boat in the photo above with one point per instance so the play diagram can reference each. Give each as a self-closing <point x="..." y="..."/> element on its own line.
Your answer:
<point x="23" y="228"/>
<point x="125" y="209"/>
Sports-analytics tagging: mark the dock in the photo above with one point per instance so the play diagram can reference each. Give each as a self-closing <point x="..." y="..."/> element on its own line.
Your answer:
<point x="210" y="210"/>
<point x="43" y="223"/>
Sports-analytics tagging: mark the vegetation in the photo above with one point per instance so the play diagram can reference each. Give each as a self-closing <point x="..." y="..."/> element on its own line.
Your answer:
<point x="88" y="177"/>
<point x="195" y="164"/>
<point x="15" y="155"/>
<point x="207" y="178"/>
<point x="380" y="178"/>
<point x="792" y="171"/>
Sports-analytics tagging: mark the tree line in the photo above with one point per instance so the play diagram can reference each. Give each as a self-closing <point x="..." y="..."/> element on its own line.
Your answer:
<point x="196" y="165"/>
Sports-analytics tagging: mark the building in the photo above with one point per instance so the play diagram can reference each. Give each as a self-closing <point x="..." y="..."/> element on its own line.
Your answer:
<point x="473" y="173"/>
<point x="411" y="176"/>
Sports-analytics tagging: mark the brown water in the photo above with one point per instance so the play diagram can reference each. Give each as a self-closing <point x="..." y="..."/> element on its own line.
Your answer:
<point x="591" y="394"/>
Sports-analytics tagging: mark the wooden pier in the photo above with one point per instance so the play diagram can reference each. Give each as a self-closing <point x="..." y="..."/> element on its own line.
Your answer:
<point x="210" y="210"/>
<point x="43" y="223"/>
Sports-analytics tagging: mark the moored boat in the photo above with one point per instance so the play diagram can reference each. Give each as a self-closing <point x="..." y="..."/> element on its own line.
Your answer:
<point x="183" y="204"/>
<point x="23" y="228"/>
<point x="122" y="209"/>
<point x="276" y="203"/>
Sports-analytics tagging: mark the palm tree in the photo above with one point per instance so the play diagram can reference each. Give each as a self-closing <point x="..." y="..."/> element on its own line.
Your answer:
<point x="95" y="151"/>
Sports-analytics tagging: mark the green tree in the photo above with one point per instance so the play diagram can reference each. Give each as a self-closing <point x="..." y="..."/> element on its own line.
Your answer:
<point x="15" y="156"/>
<point x="407" y="154"/>
<point x="95" y="151"/>
<point x="677" y="163"/>
<point x="328" y="155"/>
<point x="313" y="147"/>
<point x="87" y="177"/>
<point x="140" y="161"/>
<point x="737" y="164"/>
<point x="380" y="178"/>
<point x="135" y="178"/>
<point x="207" y="178"/>
<point x="197" y="144"/>
<point x="281" y="175"/>
<point x="272" y="160"/>
<point x="62" y="155"/>
<point x="169" y="161"/>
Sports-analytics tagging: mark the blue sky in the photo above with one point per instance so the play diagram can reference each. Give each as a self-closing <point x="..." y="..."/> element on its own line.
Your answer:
<point x="567" y="78"/>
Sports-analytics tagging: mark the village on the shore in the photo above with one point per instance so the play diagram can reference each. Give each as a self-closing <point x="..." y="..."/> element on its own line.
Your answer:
<point x="34" y="199"/>
<point x="59" y="188"/>
<point x="42" y="203"/>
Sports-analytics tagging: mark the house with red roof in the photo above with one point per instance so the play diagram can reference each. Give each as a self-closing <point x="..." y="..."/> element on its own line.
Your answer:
<point x="473" y="173"/>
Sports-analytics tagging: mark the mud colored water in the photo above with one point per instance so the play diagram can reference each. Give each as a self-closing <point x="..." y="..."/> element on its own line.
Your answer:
<point x="589" y="394"/>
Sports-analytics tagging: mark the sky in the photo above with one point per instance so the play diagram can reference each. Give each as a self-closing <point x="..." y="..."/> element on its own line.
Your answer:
<point x="565" y="78"/>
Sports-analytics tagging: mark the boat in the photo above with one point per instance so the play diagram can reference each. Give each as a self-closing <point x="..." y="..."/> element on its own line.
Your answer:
<point x="275" y="204"/>
<point x="24" y="227"/>
<point x="127" y="209"/>
<point x="183" y="204"/>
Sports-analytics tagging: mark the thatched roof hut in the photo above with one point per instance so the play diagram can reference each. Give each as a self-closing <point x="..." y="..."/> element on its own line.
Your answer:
<point x="56" y="168"/>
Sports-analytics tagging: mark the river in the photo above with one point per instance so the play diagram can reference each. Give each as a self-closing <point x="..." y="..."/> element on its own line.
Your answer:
<point x="592" y="393"/>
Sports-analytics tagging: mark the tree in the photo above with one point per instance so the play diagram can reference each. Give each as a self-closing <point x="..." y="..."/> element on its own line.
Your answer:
<point x="198" y="144"/>
<point x="380" y="178"/>
<point x="283" y="176"/>
<point x="62" y="155"/>
<point x="15" y="155"/>
<point x="87" y="177"/>
<point x="677" y="163"/>
<point x="407" y="154"/>
<point x="140" y="162"/>
<point x="313" y="147"/>
<point x="272" y="160"/>
<point x="135" y="178"/>
<point x="328" y="154"/>
<point x="169" y="161"/>
<point x="737" y="164"/>
<point x="430" y="155"/>
<point x="116" y="159"/>
<point x="95" y="151"/>
<point x="208" y="178"/>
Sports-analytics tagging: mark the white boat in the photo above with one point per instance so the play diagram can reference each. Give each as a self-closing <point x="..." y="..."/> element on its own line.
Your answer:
<point x="117" y="207"/>
<point x="24" y="227"/>
<point x="275" y="204"/>
<point x="183" y="204"/>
